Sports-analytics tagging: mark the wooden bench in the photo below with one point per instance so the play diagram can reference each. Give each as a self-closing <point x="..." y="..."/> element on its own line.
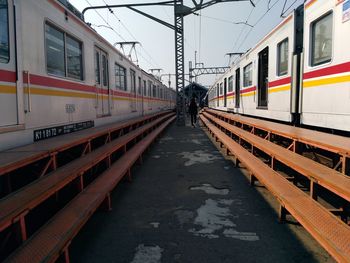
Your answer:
<point x="15" y="207"/>
<point x="328" y="230"/>
<point x="339" y="145"/>
<point x="53" y="239"/>
<point x="19" y="157"/>
<point x="315" y="172"/>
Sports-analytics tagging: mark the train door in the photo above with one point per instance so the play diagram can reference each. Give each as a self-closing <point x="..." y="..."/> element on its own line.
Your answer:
<point x="102" y="83"/>
<point x="225" y="92"/>
<point x="133" y="89"/>
<point x="238" y="87"/>
<point x="263" y="78"/>
<point x="8" y="89"/>
<point x="217" y="95"/>
<point x="139" y="92"/>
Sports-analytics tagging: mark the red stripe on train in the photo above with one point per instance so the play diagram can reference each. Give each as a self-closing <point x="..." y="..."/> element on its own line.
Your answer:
<point x="280" y="82"/>
<point x="8" y="76"/>
<point x="341" y="68"/>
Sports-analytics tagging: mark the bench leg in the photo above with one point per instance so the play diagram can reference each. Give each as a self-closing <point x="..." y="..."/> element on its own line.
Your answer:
<point x="129" y="175"/>
<point x="252" y="179"/>
<point x="237" y="163"/>
<point x="313" y="190"/>
<point x="282" y="214"/>
<point x="21" y="230"/>
<point x="107" y="203"/>
<point x="80" y="183"/>
<point x="140" y="159"/>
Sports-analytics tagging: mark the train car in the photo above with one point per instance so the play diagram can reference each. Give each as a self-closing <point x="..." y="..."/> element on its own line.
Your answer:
<point x="325" y="98"/>
<point x="298" y="73"/>
<point x="56" y="71"/>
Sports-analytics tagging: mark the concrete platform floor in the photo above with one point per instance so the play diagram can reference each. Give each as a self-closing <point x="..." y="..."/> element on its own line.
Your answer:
<point x="187" y="203"/>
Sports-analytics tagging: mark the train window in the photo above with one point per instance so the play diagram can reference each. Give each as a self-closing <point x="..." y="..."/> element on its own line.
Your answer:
<point x="64" y="56"/>
<point x="282" y="58"/>
<point x="4" y="32"/>
<point x="230" y="84"/>
<point x="248" y="75"/>
<point x="321" y="40"/>
<point x="154" y="94"/>
<point x="74" y="58"/>
<point x="55" y="51"/>
<point x="104" y="70"/>
<point x="120" y="77"/>
<point x="97" y="68"/>
<point x="221" y="88"/>
<point x="150" y="88"/>
<point x="144" y="88"/>
<point x="133" y="81"/>
<point x="140" y="86"/>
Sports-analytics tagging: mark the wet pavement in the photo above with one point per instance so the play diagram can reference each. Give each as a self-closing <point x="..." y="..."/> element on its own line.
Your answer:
<point x="187" y="203"/>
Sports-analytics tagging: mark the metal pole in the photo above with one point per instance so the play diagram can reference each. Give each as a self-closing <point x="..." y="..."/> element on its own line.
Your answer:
<point x="179" y="62"/>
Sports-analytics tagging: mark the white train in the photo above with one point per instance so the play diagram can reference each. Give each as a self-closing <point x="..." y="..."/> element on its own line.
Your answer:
<point x="55" y="70"/>
<point x="299" y="73"/>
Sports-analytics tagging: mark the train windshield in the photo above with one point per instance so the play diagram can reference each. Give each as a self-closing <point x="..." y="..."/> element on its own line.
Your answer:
<point x="4" y="32"/>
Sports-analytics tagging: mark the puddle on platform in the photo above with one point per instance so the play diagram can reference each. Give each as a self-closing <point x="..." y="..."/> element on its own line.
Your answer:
<point x="155" y="224"/>
<point x="165" y="139"/>
<point x="214" y="219"/>
<point x="196" y="141"/>
<point x="209" y="189"/>
<point x="147" y="254"/>
<point x="198" y="156"/>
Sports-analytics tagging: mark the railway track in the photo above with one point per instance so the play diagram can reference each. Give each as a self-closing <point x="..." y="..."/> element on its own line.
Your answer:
<point x="315" y="195"/>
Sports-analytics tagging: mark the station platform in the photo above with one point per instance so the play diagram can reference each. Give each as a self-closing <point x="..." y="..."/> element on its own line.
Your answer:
<point x="188" y="203"/>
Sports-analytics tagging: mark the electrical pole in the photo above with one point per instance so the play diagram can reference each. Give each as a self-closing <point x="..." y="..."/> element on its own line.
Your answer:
<point x="180" y="11"/>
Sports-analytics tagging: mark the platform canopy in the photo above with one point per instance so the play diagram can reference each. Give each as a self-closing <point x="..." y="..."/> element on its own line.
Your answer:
<point x="198" y="91"/>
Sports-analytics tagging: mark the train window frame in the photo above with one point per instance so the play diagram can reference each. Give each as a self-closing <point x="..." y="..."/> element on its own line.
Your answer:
<point x="279" y="45"/>
<point x="312" y="44"/>
<point x="133" y="89"/>
<point x="251" y="75"/>
<point x="81" y="57"/>
<point x="230" y="84"/>
<point x="49" y="23"/>
<point x="144" y="88"/>
<point x="125" y="82"/>
<point x="150" y="84"/>
<point x="7" y="31"/>
<point x="139" y="87"/>
<point x="154" y="91"/>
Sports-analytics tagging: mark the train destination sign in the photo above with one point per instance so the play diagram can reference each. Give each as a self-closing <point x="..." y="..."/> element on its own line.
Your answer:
<point x="46" y="133"/>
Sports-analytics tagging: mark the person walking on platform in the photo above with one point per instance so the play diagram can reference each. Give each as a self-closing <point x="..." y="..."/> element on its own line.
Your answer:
<point x="193" y="111"/>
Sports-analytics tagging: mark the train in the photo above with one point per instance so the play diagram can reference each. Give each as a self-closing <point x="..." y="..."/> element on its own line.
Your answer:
<point x="299" y="73"/>
<point x="58" y="75"/>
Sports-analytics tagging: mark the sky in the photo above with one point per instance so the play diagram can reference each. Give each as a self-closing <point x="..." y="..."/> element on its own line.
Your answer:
<point x="211" y="33"/>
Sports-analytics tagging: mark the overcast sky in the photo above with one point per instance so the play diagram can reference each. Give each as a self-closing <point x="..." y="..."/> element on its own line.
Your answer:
<point x="212" y="32"/>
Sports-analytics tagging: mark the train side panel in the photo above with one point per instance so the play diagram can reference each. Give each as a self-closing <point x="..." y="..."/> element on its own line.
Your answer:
<point x="67" y="74"/>
<point x="8" y="78"/>
<point x="265" y="75"/>
<point x="326" y="79"/>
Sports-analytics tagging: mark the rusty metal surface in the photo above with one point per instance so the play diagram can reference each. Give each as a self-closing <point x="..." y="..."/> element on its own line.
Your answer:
<point x="327" y="177"/>
<point x="329" y="231"/>
<point x="330" y="142"/>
